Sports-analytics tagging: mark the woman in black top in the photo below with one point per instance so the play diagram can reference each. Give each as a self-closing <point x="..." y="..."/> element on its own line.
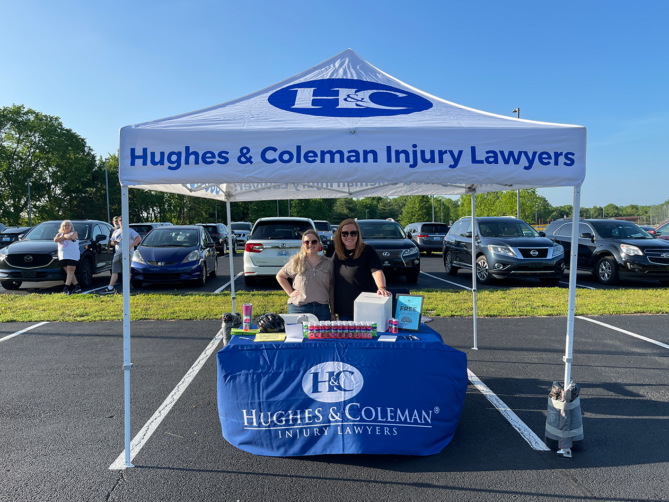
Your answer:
<point x="357" y="269"/>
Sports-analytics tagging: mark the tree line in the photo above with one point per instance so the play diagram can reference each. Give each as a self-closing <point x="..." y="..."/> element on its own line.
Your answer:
<point x="68" y="181"/>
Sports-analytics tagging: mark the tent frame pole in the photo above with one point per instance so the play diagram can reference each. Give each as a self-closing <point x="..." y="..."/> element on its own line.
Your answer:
<point x="127" y="364"/>
<point x="475" y="347"/>
<point x="230" y="254"/>
<point x="573" y="263"/>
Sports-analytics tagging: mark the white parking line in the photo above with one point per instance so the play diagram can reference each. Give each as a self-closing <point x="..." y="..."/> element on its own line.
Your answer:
<point x="228" y="283"/>
<point x="444" y="280"/>
<point x="23" y="331"/>
<point x="513" y="419"/>
<point x="578" y="285"/>
<point x="664" y="345"/>
<point x="150" y="427"/>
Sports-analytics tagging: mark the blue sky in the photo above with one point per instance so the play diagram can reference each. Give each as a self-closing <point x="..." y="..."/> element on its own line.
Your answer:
<point x="602" y="64"/>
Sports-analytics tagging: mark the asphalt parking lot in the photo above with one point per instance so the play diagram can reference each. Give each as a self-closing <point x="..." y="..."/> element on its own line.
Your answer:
<point x="61" y="419"/>
<point x="432" y="276"/>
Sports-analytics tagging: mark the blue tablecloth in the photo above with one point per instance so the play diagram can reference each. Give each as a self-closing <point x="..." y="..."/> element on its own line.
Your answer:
<point x="341" y="396"/>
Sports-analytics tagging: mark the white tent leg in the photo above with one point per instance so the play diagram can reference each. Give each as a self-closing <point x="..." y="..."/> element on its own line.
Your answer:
<point x="230" y="248"/>
<point x="475" y="347"/>
<point x="573" y="262"/>
<point x="127" y="365"/>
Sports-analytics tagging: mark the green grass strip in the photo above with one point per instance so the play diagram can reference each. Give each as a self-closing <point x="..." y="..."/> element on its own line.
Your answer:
<point x="520" y="302"/>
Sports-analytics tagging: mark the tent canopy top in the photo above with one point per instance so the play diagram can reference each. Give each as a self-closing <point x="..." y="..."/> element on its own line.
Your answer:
<point x="344" y="128"/>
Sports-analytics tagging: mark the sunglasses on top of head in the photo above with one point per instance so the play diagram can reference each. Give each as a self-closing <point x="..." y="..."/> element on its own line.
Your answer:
<point x="352" y="233"/>
<point x="312" y="242"/>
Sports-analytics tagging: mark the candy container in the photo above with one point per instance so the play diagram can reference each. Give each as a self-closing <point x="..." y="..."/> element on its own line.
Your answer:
<point x="247" y="314"/>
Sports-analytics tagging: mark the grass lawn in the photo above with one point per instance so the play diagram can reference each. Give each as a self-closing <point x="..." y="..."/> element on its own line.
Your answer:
<point x="520" y="302"/>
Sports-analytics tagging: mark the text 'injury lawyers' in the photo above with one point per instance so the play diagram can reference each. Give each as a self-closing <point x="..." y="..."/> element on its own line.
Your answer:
<point x="411" y="157"/>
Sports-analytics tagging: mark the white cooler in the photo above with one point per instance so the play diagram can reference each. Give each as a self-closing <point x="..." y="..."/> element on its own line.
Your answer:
<point x="373" y="308"/>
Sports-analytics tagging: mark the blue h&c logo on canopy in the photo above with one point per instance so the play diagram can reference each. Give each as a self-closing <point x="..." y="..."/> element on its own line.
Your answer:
<point x="341" y="97"/>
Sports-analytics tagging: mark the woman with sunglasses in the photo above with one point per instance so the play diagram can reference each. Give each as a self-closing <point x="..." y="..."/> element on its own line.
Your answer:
<point x="357" y="269"/>
<point x="312" y="290"/>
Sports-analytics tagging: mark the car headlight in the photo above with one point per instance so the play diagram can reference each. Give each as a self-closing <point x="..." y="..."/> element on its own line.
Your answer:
<point x="505" y="250"/>
<point x="558" y="250"/>
<point x="3" y="253"/>
<point x="410" y="252"/>
<point x="136" y="257"/>
<point x="630" y="250"/>
<point x="192" y="256"/>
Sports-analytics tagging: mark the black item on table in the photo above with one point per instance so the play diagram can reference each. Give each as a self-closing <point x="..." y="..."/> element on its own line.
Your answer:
<point x="230" y="321"/>
<point x="271" y="323"/>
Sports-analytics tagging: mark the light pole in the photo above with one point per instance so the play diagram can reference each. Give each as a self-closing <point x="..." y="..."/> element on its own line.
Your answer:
<point x="366" y="214"/>
<point x="433" y="208"/>
<point x="216" y="212"/>
<point x="442" y="210"/>
<point x="107" y="185"/>
<point x="288" y="208"/>
<point x="517" y="111"/>
<point x="277" y="208"/>
<point x="30" y="208"/>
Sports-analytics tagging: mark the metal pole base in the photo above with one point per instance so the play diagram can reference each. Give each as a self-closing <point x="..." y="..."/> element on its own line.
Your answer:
<point x="565" y="454"/>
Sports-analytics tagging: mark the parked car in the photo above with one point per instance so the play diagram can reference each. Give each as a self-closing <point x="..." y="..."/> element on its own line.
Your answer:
<point x="175" y="254"/>
<point x="144" y="228"/>
<point x="614" y="249"/>
<point x="334" y="228"/>
<point x="219" y="234"/>
<point x="12" y="234"/>
<point x="271" y="244"/>
<point x="662" y="232"/>
<point x="242" y="230"/>
<point x="2" y="227"/>
<point x="34" y="258"/>
<point x="504" y="247"/>
<point x="399" y="256"/>
<point x="325" y="232"/>
<point x="428" y="236"/>
<point x="649" y="229"/>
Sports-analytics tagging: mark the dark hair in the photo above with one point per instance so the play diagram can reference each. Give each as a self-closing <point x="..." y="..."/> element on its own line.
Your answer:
<point x="339" y="243"/>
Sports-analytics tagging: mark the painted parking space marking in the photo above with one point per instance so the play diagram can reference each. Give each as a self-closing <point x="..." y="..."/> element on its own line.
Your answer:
<point x="444" y="280"/>
<point x="23" y="331"/>
<point x="150" y="427"/>
<point x="228" y="283"/>
<point x="640" y="337"/>
<point x="527" y="434"/>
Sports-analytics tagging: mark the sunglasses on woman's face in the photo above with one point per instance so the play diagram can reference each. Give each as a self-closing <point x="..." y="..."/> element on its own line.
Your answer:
<point x="352" y="233"/>
<point x="313" y="243"/>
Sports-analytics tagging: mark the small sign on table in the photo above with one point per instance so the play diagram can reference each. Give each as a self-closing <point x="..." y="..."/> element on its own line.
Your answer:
<point x="408" y="311"/>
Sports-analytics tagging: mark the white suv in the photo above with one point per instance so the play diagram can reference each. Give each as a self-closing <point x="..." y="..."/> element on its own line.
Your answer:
<point x="241" y="230"/>
<point x="271" y="244"/>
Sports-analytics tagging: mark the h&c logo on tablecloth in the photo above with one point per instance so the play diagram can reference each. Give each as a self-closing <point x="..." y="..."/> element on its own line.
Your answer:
<point x="332" y="382"/>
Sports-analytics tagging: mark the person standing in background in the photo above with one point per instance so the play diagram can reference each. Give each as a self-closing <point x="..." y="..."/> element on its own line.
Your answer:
<point x="117" y="263"/>
<point x="68" y="254"/>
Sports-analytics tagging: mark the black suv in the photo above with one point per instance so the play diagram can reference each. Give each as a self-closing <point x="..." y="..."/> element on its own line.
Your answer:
<point x="34" y="258"/>
<point x="12" y="234"/>
<point x="219" y="234"/>
<point x="613" y="249"/>
<point x="398" y="254"/>
<point x="504" y="247"/>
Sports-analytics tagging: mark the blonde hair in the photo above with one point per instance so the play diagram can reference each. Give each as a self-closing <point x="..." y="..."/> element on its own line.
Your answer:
<point x="340" y="248"/>
<point x="298" y="263"/>
<point x="63" y="224"/>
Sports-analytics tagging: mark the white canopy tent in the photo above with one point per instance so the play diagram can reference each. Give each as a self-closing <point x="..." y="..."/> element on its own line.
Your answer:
<point x="345" y="129"/>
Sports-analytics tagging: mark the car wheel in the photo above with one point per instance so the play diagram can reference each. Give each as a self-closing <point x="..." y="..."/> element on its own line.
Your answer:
<point x="448" y="264"/>
<point x="428" y="253"/>
<point x="11" y="285"/>
<point x="412" y="276"/>
<point x="137" y="284"/>
<point x="249" y="281"/>
<point x="550" y="281"/>
<point x="482" y="273"/>
<point x="215" y="271"/>
<point x="203" y="280"/>
<point x="607" y="271"/>
<point x="85" y="273"/>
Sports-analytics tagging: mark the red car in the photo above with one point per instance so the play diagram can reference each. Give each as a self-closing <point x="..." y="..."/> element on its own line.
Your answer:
<point x="662" y="232"/>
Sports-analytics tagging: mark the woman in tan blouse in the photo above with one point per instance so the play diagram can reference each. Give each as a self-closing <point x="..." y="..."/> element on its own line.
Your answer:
<point x="313" y="285"/>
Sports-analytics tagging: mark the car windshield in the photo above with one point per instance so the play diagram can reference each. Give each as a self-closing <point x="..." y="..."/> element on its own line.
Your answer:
<point x="212" y="229"/>
<point x="142" y="229"/>
<point x="241" y="226"/>
<point x="381" y="231"/>
<point x="47" y="231"/>
<point x="280" y="230"/>
<point x="169" y="238"/>
<point x="619" y="230"/>
<point x="322" y="226"/>
<point x="510" y="228"/>
<point x="434" y="229"/>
